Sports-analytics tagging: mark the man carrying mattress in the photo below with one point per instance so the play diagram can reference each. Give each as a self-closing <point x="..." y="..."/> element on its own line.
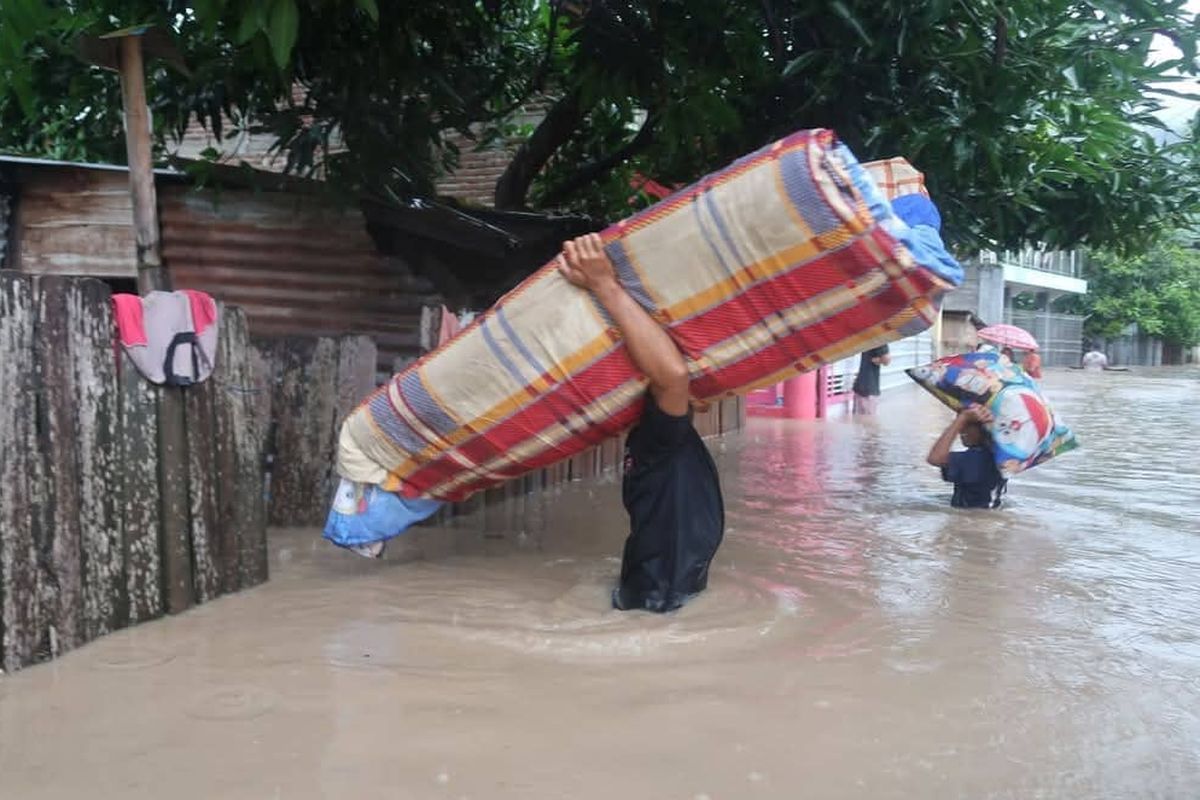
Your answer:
<point x="671" y="489"/>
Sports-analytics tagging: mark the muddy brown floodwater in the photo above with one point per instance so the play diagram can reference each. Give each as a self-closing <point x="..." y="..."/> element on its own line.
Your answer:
<point x="859" y="640"/>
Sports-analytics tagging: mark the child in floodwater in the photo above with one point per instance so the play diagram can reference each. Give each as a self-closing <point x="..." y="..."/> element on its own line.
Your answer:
<point x="977" y="481"/>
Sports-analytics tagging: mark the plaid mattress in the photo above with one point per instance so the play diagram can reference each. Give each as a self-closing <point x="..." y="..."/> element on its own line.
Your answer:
<point x="895" y="177"/>
<point x="785" y="260"/>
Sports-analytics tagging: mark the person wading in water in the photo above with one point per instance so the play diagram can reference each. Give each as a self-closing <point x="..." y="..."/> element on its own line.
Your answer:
<point x="977" y="481"/>
<point x="671" y="488"/>
<point x="866" y="385"/>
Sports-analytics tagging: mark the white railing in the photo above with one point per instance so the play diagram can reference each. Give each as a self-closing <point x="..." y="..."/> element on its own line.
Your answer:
<point x="1059" y="262"/>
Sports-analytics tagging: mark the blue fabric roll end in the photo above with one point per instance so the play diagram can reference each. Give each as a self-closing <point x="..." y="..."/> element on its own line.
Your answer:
<point x="917" y="209"/>
<point x="364" y="514"/>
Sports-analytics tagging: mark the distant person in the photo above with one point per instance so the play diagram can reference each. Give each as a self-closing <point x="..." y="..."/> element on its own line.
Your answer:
<point x="1033" y="365"/>
<point x="1009" y="354"/>
<point x="866" y="385"/>
<point x="1095" y="360"/>
<point x="977" y="481"/>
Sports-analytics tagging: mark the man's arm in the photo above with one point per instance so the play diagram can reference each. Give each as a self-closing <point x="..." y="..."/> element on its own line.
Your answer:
<point x="939" y="454"/>
<point x="653" y="352"/>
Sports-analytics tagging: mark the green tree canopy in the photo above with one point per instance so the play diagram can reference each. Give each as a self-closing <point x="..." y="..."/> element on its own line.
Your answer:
<point x="1031" y="118"/>
<point x="1158" y="290"/>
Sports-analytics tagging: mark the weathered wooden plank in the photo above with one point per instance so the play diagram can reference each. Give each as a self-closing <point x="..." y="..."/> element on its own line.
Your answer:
<point x="356" y="372"/>
<point x="172" y="484"/>
<point x="247" y="513"/>
<point x="306" y="416"/>
<point x="225" y="452"/>
<point x="72" y="223"/>
<point x="91" y="352"/>
<point x="259" y="391"/>
<point x="79" y="249"/>
<point x="20" y="633"/>
<point x="355" y="376"/>
<point x="204" y="522"/>
<point x="139" y="496"/>
<point x="58" y="521"/>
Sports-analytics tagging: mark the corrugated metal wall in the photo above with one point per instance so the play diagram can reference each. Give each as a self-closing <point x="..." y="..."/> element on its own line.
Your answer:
<point x="75" y="221"/>
<point x="296" y="265"/>
<point x="1060" y="335"/>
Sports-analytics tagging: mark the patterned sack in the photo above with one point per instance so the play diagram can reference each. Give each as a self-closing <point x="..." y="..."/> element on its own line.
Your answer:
<point x="785" y="260"/>
<point x="1025" y="432"/>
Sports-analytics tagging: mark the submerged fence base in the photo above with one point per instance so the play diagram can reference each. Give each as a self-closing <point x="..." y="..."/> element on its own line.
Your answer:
<point x="83" y="545"/>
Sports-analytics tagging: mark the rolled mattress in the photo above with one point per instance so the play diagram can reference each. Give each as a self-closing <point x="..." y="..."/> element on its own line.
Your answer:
<point x="785" y="260"/>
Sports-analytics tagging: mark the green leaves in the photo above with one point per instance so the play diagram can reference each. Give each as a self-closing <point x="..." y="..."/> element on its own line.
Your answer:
<point x="1030" y="126"/>
<point x="1158" y="290"/>
<point x="282" y="29"/>
<point x="278" y="20"/>
<point x="842" y="11"/>
<point x="370" y="7"/>
<point x="254" y="19"/>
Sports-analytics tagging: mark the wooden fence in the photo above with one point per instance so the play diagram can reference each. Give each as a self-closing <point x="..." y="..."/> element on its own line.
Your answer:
<point x="85" y="546"/>
<point x="310" y="386"/>
<point x="315" y="383"/>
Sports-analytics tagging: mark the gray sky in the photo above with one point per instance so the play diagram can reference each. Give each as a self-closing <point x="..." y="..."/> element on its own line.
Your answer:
<point x="1177" y="112"/>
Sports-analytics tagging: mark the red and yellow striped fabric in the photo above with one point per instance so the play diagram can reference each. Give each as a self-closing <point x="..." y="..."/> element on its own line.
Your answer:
<point x="771" y="266"/>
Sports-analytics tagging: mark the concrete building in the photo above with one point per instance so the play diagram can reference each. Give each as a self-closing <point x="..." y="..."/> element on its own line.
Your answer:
<point x="992" y="285"/>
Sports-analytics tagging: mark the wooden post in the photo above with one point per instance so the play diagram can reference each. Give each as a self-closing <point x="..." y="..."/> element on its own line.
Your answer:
<point x="151" y="274"/>
<point x="172" y="442"/>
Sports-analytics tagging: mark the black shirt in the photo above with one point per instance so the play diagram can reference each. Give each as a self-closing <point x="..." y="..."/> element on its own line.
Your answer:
<point x="676" y="514"/>
<point x="867" y="382"/>
<point x="975" y="477"/>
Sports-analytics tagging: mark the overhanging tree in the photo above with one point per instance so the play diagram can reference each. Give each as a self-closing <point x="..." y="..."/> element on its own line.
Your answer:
<point x="1031" y="118"/>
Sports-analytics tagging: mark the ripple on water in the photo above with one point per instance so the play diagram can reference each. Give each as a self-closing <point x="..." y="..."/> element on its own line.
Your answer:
<point x="131" y="656"/>
<point x="231" y="703"/>
<point x="557" y="609"/>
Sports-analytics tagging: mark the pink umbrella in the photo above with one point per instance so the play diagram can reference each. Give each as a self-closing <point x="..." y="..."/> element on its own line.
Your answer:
<point x="1009" y="336"/>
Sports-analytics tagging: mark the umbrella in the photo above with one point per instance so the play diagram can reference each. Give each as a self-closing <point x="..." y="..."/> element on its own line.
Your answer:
<point x="1009" y="336"/>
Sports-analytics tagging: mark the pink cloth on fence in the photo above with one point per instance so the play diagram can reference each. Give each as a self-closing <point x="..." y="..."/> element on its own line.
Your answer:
<point x="154" y="332"/>
<point x="127" y="308"/>
<point x="204" y="310"/>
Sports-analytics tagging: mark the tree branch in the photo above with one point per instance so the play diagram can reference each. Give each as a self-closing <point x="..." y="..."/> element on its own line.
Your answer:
<point x="555" y="128"/>
<point x="593" y="170"/>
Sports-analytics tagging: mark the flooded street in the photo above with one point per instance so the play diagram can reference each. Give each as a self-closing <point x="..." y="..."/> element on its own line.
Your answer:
<point x="860" y="639"/>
